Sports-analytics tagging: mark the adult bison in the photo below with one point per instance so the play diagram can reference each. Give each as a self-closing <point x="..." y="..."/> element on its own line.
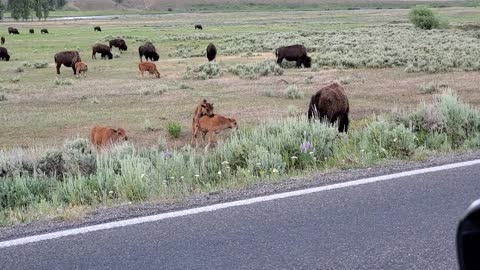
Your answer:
<point x="198" y="26"/>
<point x="297" y="53"/>
<point x="68" y="59"/>
<point x="97" y="28"/>
<point x="12" y="30"/>
<point x="2" y="40"/>
<point x="148" y="51"/>
<point x="31" y="31"/>
<point x="103" y="50"/>
<point x="4" y="54"/>
<point x="44" y="31"/>
<point x="211" y="52"/>
<point x="118" y="43"/>
<point x="331" y="103"/>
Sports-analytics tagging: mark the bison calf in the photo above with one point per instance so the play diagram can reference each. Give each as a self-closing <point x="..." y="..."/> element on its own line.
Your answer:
<point x="297" y="53"/>
<point x="202" y="109"/>
<point x="119" y="43"/>
<point x="151" y="68"/>
<point x="101" y="136"/>
<point x="211" y="52"/>
<point x="4" y="54"/>
<point x="148" y="51"/>
<point x="2" y="40"/>
<point x="331" y="103"/>
<point x="68" y="59"/>
<point x="103" y="50"/>
<point x="44" y="31"/>
<point x="213" y="125"/>
<point x="97" y="28"/>
<point x="81" y="68"/>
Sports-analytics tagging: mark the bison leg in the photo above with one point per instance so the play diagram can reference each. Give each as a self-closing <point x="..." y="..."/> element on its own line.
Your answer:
<point x="299" y="63"/>
<point x="58" y="68"/>
<point x="279" y="60"/>
<point x="74" y="70"/>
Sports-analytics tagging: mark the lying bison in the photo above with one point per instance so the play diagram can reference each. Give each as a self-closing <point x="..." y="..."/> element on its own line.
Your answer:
<point x="97" y="28"/>
<point x="31" y="31"/>
<point x="44" y="31"/>
<point x="331" y="103"/>
<point x="4" y="54"/>
<point x="211" y="52"/>
<point x="118" y="43"/>
<point x="198" y="26"/>
<point x="297" y="53"/>
<point x="103" y="50"/>
<point x="2" y="40"/>
<point x="148" y="51"/>
<point x="12" y="30"/>
<point x="68" y="59"/>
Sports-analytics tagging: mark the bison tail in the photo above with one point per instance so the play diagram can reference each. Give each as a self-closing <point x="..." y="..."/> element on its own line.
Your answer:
<point x="343" y="122"/>
<point x="312" y="109"/>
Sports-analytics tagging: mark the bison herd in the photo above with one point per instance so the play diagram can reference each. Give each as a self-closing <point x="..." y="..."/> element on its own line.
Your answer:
<point x="329" y="103"/>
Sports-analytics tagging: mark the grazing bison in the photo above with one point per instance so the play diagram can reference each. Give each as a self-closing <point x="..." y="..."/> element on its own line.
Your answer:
<point x="214" y="124"/>
<point x="148" y="51"/>
<point x="204" y="108"/>
<point x="12" y="30"/>
<point x="103" y="50"/>
<point x="119" y="43"/>
<point x="211" y="52"/>
<point x="81" y="67"/>
<point x="4" y="54"/>
<point x="149" y="67"/>
<point x="68" y="59"/>
<point x="44" y="31"/>
<point x="102" y="136"/>
<point x="31" y="31"/>
<point x="198" y="26"/>
<point x="331" y="103"/>
<point x="2" y="40"/>
<point x="297" y="53"/>
<point x="97" y="28"/>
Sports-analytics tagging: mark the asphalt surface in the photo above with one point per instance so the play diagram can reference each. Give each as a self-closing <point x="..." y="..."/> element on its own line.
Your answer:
<point x="406" y="223"/>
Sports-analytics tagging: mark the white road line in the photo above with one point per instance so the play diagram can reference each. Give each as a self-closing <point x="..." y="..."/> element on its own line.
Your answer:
<point x="140" y="220"/>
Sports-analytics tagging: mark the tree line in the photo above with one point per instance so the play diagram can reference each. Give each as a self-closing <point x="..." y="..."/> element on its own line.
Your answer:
<point x="28" y="9"/>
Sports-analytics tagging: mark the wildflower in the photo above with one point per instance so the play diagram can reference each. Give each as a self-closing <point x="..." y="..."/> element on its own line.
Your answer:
<point x="395" y="140"/>
<point x="306" y="146"/>
<point x="293" y="157"/>
<point x="228" y="167"/>
<point x="181" y="177"/>
<point x="142" y="176"/>
<point x="171" y="177"/>
<point x="110" y="192"/>
<point x="225" y="162"/>
<point x="363" y="150"/>
<point x="219" y="173"/>
<point x="197" y="175"/>
<point x="168" y="154"/>
<point x="274" y="170"/>
<point x="311" y="153"/>
<point x="259" y="164"/>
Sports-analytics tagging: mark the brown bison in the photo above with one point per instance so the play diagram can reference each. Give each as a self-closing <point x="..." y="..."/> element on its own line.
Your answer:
<point x="149" y="67"/>
<point x="297" y="53"/>
<point x="119" y="43"/>
<point x="12" y="30"/>
<point x="103" y="50"/>
<point x="81" y="67"/>
<point x="101" y="136"/>
<point x="68" y="59"/>
<point x="214" y="124"/>
<point x="148" y="51"/>
<point x="198" y="26"/>
<point x="202" y="109"/>
<point x="2" y="40"/>
<point x="211" y="52"/>
<point x="331" y="103"/>
<point x="44" y="31"/>
<point x="4" y="54"/>
<point x="97" y="28"/>
<point x="31" y="31"/>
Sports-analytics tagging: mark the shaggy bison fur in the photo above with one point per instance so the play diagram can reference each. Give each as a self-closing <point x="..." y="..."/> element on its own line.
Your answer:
<point x="118" y="43"/>
<point x="149" y="67"/>
<point x="97" y="28"/>
<point x="31" y="31"/>
<point x="297" y="53"/>
<point x="198" y="26"/>
<point x="105" y="136"/>
<point x="81" y="68"/>
<point x="2" y="40"/>
<point x="44" y="31"/>
<point x="148" y="51"/>
<point x="68" y="59"/>
<point x="331" y="103"/>
<point x="4" y="54"/>
<point x="204" y="108"/>
<point x="103" y="50"/>
<point x="213" y="125"/>
<point x="211" y="52"/>
<point x="12" y="30"/>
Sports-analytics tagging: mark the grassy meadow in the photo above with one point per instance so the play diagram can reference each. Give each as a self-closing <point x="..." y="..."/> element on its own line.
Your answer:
<point x="384" y="62"/>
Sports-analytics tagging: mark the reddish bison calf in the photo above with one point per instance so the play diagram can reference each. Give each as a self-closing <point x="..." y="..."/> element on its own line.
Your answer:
<point x="81" y="68"/>
<point x="102" y="136"/>
<point x="204" y="108"/>
<point x="215" y="124"/>
<point x="68" y="59"/>
<point x="150" y="67"/>
<point x="331" y="103"/>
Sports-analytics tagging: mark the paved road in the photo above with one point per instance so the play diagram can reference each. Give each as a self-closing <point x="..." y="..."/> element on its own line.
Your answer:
<point x="406" y="223"/>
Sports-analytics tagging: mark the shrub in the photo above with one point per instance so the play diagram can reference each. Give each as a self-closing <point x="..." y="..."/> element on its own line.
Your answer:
<point x="61" y="81"/>
<point x="79" y="157"/>
<point x="147" y="125"/>
<point x="52" y="163"/>
<point x="15" y="79"/>
<point x="293" y="92"/>
<point x="19" y="70"/>
<point x="256" y="70"/>
<point x="424" y="18"/>
<point x="433" y="87"/>
<point x="174" y="129"/>
<point x="42" y="64"/>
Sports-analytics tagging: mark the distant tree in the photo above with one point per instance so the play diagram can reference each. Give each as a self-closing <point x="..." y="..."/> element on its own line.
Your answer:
<point x="2" y="9"/>
<point x="46" y="9"/>
<point x="15" y="7"/>
<point x="25" y="8"/>
<point x="41" y="8"/>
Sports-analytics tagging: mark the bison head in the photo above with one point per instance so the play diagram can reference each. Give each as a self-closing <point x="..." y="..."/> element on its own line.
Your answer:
<point x="120" y="135"/>
<point x="233" y="123"/>
<point x="7" y="57"/>
<point x="207" y="108"/>
<point x="123" y="46"/>
<point x="307" y="62"/>
<point x="155" y="56"/>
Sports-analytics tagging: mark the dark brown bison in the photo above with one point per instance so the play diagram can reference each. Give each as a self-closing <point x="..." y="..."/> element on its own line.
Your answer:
<point x="31" y="31"/>
<point x="97" y="28"/>
<point x="12" y="30"/>
<point x="198" y="26"/>
<point x="119" y="43"/>
<point x="68" y="59"/>
<point x="2" y="40"/>
<point x="4" y="54"/>
<point x="331" y="103"/>
<point x="103" y="50"/>
<point x="297" y="53"/>
<point x="44" y="31"/>
<point x="211" y="52"/>
<point x="148" y="51"/>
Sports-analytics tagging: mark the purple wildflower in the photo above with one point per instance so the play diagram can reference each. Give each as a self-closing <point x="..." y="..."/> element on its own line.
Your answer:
<point x="168" y="154"/>
<point x="306" y="146"/>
